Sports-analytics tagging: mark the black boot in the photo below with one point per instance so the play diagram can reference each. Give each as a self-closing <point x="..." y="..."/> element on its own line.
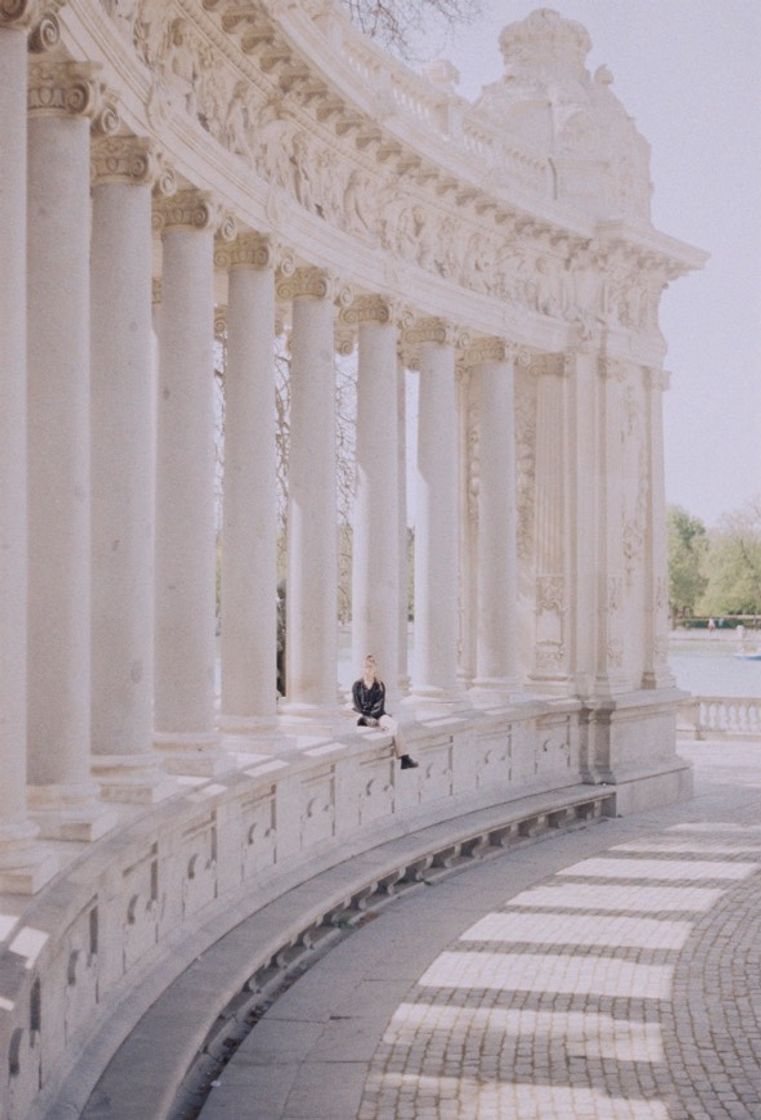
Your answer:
<point x="408" y="763"/>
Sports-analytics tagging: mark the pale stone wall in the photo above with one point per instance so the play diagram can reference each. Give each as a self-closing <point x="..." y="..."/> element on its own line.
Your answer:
<point x="262" y="165"/>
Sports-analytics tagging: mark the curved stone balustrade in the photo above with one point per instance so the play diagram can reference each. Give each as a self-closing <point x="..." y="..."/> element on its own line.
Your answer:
<point x="176" y="168"/>
<point x="720" y="717"/>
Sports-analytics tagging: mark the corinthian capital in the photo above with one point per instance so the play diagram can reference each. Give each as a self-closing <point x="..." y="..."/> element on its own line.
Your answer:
<point x="313" y="283"/>
<point x="253" y="250"/>
<point x="126" y="159"/>
<point x="64" y="89"/>
<point x="376" y="309"/>
<point x="483" y="351"/>
<point x="193" y="210"/>
<point x="436" y="330"/>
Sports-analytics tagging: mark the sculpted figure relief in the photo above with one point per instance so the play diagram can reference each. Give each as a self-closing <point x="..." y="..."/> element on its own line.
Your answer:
<point x="281" y="137"/>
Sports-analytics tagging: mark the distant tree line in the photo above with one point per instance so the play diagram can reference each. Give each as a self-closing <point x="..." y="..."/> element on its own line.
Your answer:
<point x="714" y="572"/>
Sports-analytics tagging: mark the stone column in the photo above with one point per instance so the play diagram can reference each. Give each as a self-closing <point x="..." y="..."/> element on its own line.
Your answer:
<point x="249" y="571"/>
<point x="491" y="363"/>
<point x="375" y="558"/>
<point x="311" y="621"/>
<point x="551" y="527"/>
<point x="401" y="509"/>
<point x="656" y="672"/>
<point x="185" y="644"/>
<point x="23" y="867"/>
<point x="436" y="528"/>
<point x="62" y="98"/>
<point x="123" y="459"/>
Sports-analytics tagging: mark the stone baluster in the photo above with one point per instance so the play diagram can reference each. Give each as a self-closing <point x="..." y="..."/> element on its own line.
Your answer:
<point x="184" y="718"/>
<point x="63" y="96"/>
<point x="491" y="363"/>
<point x="656" y="672"/>
<point x="311" y="586"/>
<point x="124" y="169"/>
<point x="23" y="866"/>
<point x="249" y="571"/>
<point x="436" y="528"/>
<point x="375" y="559"/>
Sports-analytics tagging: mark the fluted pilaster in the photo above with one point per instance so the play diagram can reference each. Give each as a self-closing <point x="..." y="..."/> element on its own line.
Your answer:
<point x="657" y="672"/>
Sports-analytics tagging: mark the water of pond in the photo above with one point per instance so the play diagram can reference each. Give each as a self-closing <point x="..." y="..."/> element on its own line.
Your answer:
<point x="710" y="668"/>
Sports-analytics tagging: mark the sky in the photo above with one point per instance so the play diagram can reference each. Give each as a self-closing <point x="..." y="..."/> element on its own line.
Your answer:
<point x="689" y="73"/>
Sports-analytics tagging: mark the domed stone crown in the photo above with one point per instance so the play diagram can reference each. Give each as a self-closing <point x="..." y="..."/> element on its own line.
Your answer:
<point x="543" y="41"/>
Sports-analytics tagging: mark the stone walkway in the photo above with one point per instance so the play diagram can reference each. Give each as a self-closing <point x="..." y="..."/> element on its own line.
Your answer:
<point x="613" y="973"/>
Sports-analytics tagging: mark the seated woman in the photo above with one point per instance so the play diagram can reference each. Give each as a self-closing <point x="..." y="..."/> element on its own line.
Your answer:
<point x="369" y="696"/>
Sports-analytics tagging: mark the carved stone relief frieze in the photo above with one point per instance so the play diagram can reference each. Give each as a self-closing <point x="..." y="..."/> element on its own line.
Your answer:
<point x="231" y="70"/>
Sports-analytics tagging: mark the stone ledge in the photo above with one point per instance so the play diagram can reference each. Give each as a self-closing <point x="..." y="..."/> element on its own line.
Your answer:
<point x="243" y="967"/>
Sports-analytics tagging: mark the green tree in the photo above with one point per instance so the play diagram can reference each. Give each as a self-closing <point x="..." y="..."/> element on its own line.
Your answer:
<point x="687" y="548"/>
<point x="733" y="565"/>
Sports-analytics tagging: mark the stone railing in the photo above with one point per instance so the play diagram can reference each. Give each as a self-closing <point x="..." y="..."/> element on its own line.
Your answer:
<point x="86" y="958"/>
<point x="720" y="717"/>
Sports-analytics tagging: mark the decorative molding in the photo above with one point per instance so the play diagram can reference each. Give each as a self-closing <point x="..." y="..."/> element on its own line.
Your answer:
<point x="156" y="290"/>
<point x="220" y="323"/>
<point x="193" y="210"/>
<point x="551" y="365"/>
<point x="374" y="309"/>
<point x="436" y="330"/>
<point x="64" y="89"/>
<point x="612" y="369"/>
<point x="483" y="351"/>
<point x="125" y="159"/>
<point x="656" y="379"/>
<point x="45" y="35"/>
<point x="19" y="14"/>
<point x="308" y="282"/>
<point x="345" y="339"/>
<point x="253" y="250"/>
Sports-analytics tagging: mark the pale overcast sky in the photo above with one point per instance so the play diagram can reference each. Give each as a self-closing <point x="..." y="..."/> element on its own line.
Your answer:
<point x="689" y="72"/>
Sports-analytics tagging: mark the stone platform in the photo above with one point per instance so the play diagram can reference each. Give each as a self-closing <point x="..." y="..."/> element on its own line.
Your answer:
<point x="603" y="973"/>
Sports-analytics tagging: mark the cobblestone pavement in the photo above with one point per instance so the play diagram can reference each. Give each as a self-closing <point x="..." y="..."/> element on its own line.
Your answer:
<point x="610" y="974"/>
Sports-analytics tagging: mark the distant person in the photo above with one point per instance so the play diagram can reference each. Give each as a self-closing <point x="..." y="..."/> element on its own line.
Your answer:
<point x="711" y="626"/>
<point x="740" y="631"/>
<point x="369" y="697"/>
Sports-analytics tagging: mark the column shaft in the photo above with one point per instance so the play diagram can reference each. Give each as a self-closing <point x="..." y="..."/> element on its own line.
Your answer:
<point x="20" y="868"/>
<point x="436" y="530"/>
<point x="185" y="545"/>
<point x="249" y="574"/>
<point x="123" y="465"/>
<point x="375" y="560"/>
<point x="59" y="477"/>
<point x="497" y="558"/>
<point x="311" y="622"/>
<point x="401" y="510"/>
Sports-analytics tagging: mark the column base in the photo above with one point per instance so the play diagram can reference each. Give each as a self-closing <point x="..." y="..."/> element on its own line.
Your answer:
<point x="134" y="779"/>
<point x="198" y="754"/>
<point x="493" y="692"/>
<point x="24" y="867"/>
<point x="70" y="812"/>
<point x="247" y="725"/>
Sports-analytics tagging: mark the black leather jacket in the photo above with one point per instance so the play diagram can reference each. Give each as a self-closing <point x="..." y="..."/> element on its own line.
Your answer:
<point x="369" y="702"/>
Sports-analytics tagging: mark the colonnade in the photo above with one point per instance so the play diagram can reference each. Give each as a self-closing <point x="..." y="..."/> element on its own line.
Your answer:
<point x="107" y="565"/>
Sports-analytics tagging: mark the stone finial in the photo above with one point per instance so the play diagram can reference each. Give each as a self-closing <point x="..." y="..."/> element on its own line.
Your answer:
<point x="544" y="39"/>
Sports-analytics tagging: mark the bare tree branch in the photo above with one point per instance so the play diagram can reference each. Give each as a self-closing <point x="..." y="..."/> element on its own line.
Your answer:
<point x="413" y="29"/>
